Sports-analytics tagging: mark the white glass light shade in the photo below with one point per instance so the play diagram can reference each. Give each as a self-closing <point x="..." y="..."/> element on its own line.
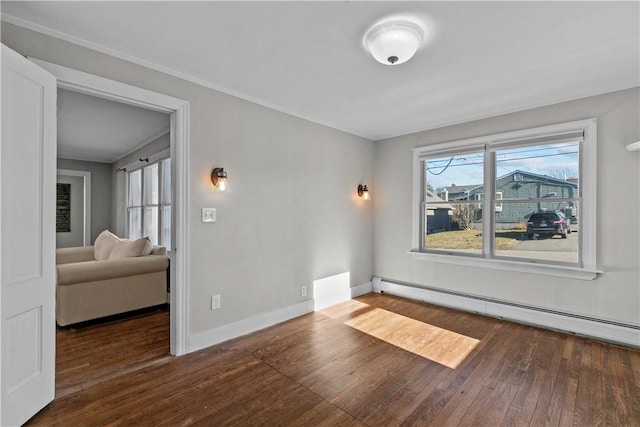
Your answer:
<point x="394" y="43"/>
<point x="635" y="146"/>
<point x="219" y="179"/>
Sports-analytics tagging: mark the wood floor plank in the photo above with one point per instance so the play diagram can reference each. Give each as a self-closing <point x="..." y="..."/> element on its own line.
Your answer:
<point x="397" y="397"/>
<point x="359" y="363"/>
<point x="463" y="392"/>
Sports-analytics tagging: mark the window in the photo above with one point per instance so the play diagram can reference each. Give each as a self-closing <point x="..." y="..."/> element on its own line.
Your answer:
<point x="149" y="202"/>
<point x="543" y="170"/>
<point x="498" y="204"/>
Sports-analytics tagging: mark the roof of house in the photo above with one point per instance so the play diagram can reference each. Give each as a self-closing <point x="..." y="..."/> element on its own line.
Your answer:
<point x="464" y="188"/>
<point x="431" y="197"/>
<point x="460" y="188"/>
<point x="547" y="178"/>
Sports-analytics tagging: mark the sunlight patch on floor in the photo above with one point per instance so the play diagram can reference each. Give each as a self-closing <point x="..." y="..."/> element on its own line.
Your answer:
<point x="439" y="345"/>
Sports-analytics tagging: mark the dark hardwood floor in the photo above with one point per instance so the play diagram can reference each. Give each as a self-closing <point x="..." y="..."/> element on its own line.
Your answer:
<point x="377" y="360"/>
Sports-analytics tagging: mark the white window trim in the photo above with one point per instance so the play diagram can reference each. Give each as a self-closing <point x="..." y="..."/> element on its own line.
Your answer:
<point x="588" y="212"/>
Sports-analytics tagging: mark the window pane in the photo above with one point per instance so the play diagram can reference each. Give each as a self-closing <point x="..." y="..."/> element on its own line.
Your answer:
<point x="537" y="172"/>
<point x="166" y="227"/>
<point x="166" y="181"/>
<point x="151" y="223"/>
<point x="135" y="188"/>
<point x="453" y="178"/>
<point x="539" y="229"/>
<point x="544" y="234"/>
<point x="151" y="185"/>
<point x="451" y="224"/>
<point x="454" y="228"/>
<point x="135" y="222"/>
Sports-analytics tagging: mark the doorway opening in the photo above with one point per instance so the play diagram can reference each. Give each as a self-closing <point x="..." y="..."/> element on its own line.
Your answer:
<point x="178" y="111"/>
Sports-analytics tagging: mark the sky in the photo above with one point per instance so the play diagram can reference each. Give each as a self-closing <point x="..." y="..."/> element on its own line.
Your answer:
<point x="555" y="160"/>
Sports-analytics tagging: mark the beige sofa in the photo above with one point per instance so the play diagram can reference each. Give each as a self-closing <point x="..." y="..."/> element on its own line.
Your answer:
<point x="87" y="288"/>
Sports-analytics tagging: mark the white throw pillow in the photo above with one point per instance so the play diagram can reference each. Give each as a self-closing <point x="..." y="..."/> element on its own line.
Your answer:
<point x="148" y="248"/>
<point x="129" y="248"/>
<point x="104" y="244"/>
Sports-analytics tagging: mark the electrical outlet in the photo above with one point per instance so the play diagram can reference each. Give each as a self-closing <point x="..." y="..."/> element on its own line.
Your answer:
<point x="303" y="291"/>
<point x="215" y="302"/>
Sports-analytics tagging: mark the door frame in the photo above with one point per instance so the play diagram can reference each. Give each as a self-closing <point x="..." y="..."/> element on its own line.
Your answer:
<point x="86" y="191"/>
<point x="178" y="109"/>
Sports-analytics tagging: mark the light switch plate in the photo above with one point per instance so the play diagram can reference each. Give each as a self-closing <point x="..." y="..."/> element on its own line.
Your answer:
<point x="208" y="214"/>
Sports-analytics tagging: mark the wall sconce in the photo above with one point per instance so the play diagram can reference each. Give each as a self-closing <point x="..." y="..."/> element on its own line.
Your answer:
<point x="219" y="179"/>
<point x="363" y="192"/>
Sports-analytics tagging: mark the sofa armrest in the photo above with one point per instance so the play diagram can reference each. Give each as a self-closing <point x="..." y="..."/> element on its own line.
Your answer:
<point x="78" y="254"/>
<point x="92" y="271"/>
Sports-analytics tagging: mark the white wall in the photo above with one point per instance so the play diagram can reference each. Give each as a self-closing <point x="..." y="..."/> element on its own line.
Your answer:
<point x="614" y="295"/>
<point x="291" y="217"/>
<point x="100" y="191"/>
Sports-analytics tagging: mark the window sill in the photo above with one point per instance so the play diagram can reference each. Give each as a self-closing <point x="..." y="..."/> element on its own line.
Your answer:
<point x="508" y="265"/>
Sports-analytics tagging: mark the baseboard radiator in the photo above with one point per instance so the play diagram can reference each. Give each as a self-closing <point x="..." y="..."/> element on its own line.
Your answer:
<point x="601" y="329"/>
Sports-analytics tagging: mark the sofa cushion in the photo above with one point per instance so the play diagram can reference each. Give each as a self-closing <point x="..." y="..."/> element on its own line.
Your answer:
<point x="104" y="244"/>
<point x="130" y="248"/>
<point x="93" y="271"/>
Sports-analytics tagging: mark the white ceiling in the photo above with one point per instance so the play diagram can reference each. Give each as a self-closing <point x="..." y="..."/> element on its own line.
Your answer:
<point x="100" y="130"/>
<point x="306" y="58"/>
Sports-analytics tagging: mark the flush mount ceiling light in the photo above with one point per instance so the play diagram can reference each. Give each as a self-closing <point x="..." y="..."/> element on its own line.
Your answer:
<point x="394" y="42"/>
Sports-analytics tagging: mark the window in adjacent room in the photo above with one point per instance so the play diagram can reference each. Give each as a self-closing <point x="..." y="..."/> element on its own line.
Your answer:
<point x="149" y="202"/>
<point x="524" y="198"/>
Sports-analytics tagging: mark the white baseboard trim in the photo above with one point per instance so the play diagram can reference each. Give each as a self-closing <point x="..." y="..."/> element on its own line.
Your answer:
<point x="224" y="333"/>
<point x="365" y="288"/>
<point x="605" y="330"/>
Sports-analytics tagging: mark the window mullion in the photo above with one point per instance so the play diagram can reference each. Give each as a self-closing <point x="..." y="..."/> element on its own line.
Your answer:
<point x="488" y="214"/>
<point x="423" y="205"/>
<point x="160" y="196"/>
<point x="142" y="201"/>
<point x="127" y="207"/>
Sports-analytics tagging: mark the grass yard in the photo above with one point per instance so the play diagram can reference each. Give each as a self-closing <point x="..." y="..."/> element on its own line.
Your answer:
<point x="471" y="239"/>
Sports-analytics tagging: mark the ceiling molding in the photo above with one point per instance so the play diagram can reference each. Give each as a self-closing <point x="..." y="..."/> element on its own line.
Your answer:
<point x="143" y="143"/>
<point x="504" y="112"/>
<point x="82" y="159"/>
<point x="157" y="67"/>
<point x="499" y="98"/>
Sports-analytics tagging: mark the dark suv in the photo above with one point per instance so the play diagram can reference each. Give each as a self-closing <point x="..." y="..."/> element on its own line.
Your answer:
<point x="548" y="224"/>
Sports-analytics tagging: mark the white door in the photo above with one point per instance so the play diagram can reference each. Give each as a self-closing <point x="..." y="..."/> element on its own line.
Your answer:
<point x="27" y="241"/>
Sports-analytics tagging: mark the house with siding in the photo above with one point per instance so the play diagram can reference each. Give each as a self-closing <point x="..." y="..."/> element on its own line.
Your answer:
<point x="455" y="192"/>
<point x="522" y="185"/>
<point x="439" y="216"/>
